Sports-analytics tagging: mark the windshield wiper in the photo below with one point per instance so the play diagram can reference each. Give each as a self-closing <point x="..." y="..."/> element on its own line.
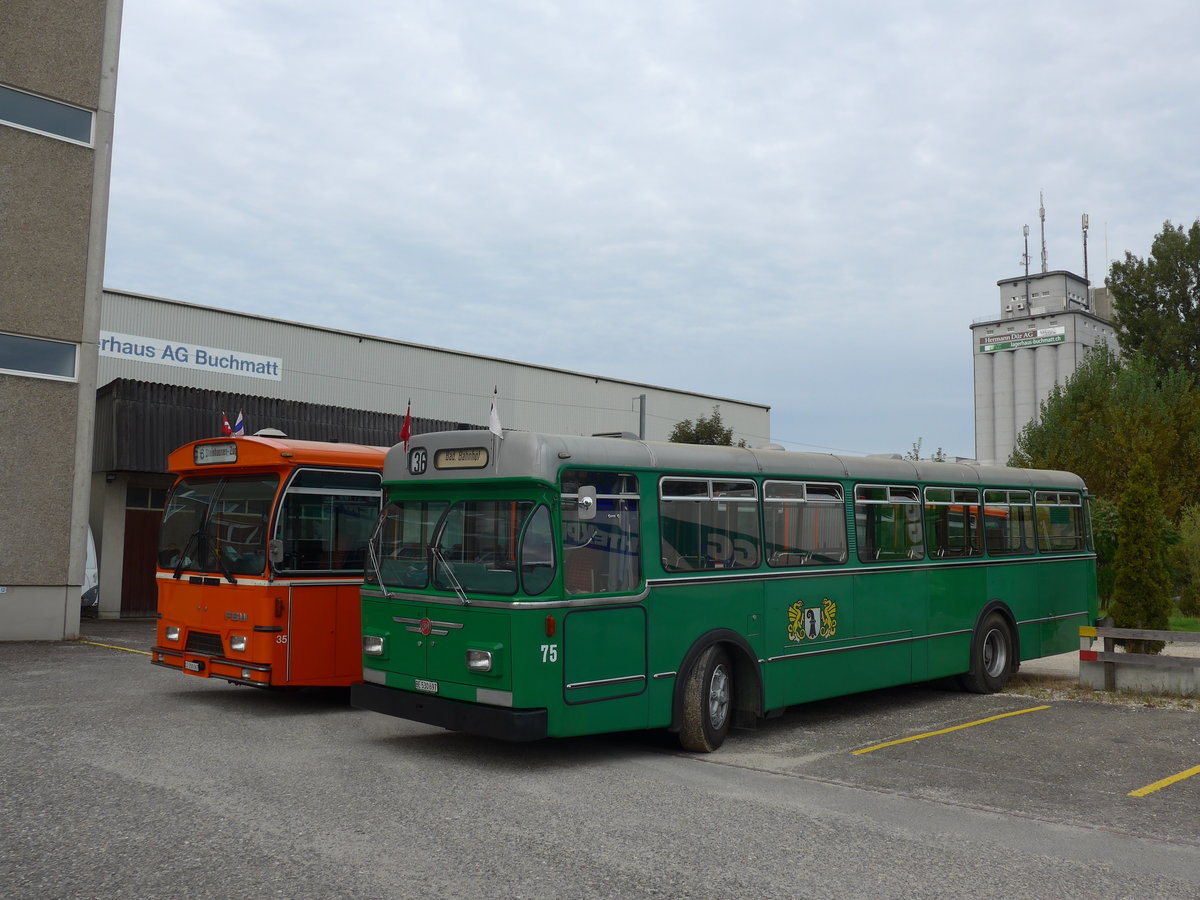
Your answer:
<point x="373" y="558"/>
<point x="226" y="569"/>
<point x="182" y="559"/>
<point x="454" y="583"/>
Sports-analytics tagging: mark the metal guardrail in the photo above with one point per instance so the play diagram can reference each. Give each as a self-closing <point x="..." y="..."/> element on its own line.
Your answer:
<point x="1110" y="658"/>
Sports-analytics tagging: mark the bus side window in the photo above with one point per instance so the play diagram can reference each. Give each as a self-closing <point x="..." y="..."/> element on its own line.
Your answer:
<point x="708" y="523"/>
<point x="601" y="546"/>
<point x="952" y="522"/>
<point x="1059" y="521"/>
<point x="887" y="522"/>
<point x="1008" y="521"/>
<point x="804" y="523"/>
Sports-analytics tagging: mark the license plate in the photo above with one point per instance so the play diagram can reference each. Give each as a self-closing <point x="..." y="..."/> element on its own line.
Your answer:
<point x="194" y="665"/>
<point x="429" y="687"/>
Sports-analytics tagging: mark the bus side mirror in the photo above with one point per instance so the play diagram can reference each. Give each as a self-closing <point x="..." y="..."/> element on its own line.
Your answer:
<point x="587" y="503"/>
<point x="275" y="551"/>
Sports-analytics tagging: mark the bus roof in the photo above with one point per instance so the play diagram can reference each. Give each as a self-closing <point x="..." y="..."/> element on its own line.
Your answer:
<point x="245" y="452"/>
<point x="541" y="456"/>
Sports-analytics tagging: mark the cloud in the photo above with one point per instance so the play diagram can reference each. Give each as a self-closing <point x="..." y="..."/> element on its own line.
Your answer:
<point x="784" y="203"/>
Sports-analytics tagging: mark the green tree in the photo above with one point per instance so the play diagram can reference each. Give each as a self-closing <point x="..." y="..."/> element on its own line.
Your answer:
<point x="1141" y="596"/>
<point x="915" y="453"/>
<point x="1104" y="536"/>
<point x="705" y="430"/>
<point x="1112" y="411"/>
<point x="1157" y="300"/>
<point x="1187" y="561"/>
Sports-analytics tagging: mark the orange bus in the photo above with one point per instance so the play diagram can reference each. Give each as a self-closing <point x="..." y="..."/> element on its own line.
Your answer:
<point x="260" y="560"/>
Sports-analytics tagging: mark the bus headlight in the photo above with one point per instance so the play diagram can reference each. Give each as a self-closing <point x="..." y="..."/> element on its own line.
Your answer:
<point x="479" y="660"/>
<point x="372" y="645"/>
<point x="237" y="643"/>
<point x="172" y="633"/>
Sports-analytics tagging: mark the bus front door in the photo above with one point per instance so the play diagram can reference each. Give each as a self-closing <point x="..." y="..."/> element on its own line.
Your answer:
<point x="323" y="638"/>
<point x="604" y="654"/>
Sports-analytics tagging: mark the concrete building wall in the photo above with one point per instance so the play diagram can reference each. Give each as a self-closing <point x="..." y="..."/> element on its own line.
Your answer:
<point x="1023" y="353"/>
<point x="53" y="210"/>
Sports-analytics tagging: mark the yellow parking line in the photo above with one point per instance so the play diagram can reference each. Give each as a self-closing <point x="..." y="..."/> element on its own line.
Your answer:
<point x="1166" y="782"/>
<point x="917" y="737"/>
<point x="114" y="647"/>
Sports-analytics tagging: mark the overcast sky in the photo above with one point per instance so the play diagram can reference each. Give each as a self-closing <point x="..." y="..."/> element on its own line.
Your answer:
<point x="801" y="204"/>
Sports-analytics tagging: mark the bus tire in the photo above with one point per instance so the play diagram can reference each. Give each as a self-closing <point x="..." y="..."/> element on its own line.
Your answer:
<point x="992" y="656"/>
<point x="707" y="701"/>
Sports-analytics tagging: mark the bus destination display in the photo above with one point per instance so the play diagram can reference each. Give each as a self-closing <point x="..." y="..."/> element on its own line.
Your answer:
<point x="461" y="458"/>
<point x="216" y="454"/>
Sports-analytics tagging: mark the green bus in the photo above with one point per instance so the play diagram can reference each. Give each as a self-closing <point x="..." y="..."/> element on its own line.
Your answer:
<point x="544" y="586"/>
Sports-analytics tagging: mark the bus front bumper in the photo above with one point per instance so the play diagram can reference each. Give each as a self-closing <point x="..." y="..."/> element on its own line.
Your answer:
<point x="456" y="715"/>
<point x="205" y="666"/>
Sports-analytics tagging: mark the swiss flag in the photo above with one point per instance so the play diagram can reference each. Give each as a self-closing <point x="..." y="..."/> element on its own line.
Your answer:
<point x="225" y="428"/>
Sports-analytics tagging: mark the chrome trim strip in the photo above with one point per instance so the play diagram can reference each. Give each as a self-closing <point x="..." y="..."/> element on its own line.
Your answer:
<point x="909" y="640"/>
<point x="311" y="582"/>
<point x="495" y="698"/>
<point x="402" y="620"/>
<point x="824" y="651"/>
<point x="1058" y="618"/>
<point x="724" y="576"/>
<point x="955" y="633"/>
<point x="827" y="650"/>
<point x="287" y="653"/>
<point x="264" y="582"/>
<point x="860" y="569"/>
<point x="664" y="674"/>
<point x="238" y="664"/>
<point x="627" y="679"/>
<point x="435" y="600"/>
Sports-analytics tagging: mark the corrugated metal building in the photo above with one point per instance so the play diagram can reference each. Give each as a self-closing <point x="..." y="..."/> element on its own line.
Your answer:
<point x="168" y="369"/>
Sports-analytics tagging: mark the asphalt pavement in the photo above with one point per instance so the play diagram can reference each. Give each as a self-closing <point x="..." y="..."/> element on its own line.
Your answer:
<point x="123" y="779"/>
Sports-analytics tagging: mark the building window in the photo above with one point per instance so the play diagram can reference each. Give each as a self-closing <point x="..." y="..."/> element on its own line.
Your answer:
<point x="38" y="357"/>
<point x="141" y="497"/>
<point x="49" y="117"/>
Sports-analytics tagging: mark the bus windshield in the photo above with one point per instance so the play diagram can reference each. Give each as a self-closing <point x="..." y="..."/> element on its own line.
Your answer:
<point x="218" y="525"/>
<point x="483" y="546"/>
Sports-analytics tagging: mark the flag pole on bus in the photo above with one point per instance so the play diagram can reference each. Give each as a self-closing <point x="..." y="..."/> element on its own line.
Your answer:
<point x="406" y="428"/>
<point x="494" y="427"/>
<point x="494" y="416"/>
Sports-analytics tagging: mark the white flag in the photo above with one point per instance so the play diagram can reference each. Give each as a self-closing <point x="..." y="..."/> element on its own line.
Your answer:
<point x="494" y="419"/>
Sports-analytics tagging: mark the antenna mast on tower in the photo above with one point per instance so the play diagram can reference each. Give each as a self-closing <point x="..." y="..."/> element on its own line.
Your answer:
<point x="1085" y="266"/>
<point x="1025" y="260"/>
<point x="1042" y="215"/>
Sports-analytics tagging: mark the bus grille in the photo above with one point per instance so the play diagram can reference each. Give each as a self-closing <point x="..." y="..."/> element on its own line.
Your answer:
<point x="202" y="642"/>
